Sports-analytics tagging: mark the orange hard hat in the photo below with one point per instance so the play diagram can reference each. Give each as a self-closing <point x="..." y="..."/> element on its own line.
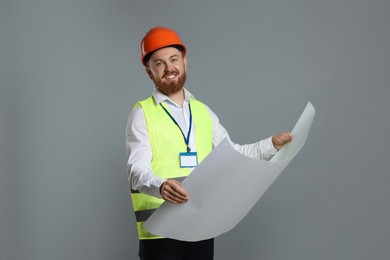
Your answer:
<point x="157" y="38"/>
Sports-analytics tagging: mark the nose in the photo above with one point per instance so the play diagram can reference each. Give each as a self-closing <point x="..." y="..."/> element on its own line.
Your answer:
<point x="168" y="67"/>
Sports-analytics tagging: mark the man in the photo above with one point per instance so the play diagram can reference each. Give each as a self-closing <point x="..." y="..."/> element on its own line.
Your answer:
<point x="167" y="135"/>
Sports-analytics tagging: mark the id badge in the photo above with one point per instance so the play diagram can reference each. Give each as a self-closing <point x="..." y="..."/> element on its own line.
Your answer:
<point x="188" y="160"/>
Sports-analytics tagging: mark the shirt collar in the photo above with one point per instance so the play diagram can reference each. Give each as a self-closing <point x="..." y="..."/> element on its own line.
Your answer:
<point x="160" y="97"/>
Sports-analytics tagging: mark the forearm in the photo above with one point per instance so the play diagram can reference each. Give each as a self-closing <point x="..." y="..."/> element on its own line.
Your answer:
<point x="260" y="150"/>
<point x="144" y="181"/>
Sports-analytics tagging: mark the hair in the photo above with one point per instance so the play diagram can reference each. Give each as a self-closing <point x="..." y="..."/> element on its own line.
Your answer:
<point x="177" y="46"/>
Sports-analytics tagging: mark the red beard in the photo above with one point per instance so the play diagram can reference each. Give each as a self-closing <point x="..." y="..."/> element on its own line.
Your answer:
<point x="172" y="87"/>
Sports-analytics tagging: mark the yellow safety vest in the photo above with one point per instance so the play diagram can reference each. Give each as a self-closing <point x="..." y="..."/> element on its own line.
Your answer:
<point x="167" y="142"/>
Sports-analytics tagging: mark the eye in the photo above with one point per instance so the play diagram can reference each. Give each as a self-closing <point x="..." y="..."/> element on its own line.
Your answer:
<point x="173" y="60"/>
<point x="157" y="64"/>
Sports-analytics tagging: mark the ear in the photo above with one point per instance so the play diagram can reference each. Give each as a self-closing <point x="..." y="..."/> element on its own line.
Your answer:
<point x="185" y="63"/>
<point x="149" y="72"/>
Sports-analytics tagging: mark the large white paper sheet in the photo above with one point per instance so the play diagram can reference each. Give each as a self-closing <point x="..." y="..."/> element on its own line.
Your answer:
<point x="224" y="188"/>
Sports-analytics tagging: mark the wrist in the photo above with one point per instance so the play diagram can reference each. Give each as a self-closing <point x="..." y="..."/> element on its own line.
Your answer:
<point x="162" y="187"/>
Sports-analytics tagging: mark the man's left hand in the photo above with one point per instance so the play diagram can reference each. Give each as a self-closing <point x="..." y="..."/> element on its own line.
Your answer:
<point x="279" y="140"/>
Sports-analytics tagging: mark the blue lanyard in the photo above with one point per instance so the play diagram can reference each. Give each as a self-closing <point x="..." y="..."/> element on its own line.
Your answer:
<point x="186" y="139"/>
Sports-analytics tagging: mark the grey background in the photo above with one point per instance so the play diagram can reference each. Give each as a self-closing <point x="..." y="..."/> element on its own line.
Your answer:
<point x="70" y="74"/>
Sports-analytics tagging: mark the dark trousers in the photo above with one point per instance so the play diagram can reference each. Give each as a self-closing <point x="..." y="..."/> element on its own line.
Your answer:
<point x="170" y="249"/>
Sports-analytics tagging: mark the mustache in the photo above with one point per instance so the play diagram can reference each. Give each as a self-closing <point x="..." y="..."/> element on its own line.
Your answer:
<point x="175" y="71"/>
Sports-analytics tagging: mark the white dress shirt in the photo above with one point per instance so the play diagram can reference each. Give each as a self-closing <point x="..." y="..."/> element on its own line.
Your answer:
<point x="139" y="150"/>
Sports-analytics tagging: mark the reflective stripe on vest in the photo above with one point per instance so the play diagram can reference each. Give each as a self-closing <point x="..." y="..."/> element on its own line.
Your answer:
<point x="167" y="142"/>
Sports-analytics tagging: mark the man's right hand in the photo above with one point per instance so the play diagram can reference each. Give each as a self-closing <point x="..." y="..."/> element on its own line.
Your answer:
<point x="172" y="191"/>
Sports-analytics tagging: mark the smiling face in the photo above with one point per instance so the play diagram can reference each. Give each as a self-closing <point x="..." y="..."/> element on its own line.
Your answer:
<point x="167" y="69"/>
